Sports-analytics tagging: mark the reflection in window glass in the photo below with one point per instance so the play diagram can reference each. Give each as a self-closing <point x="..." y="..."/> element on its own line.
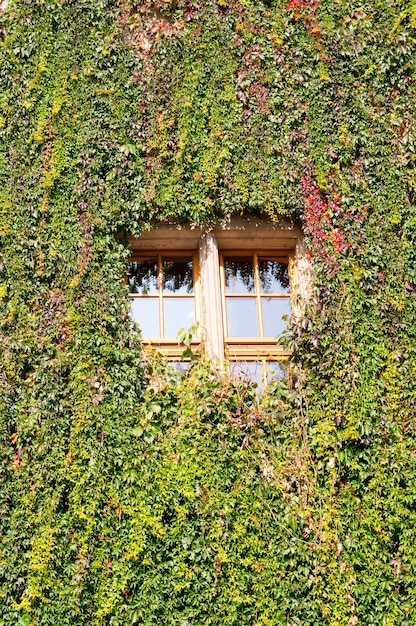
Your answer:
<point x="274" y="276"/>
<point x="242" y="317"/>
<point x="178" y="274"/>
<point x="145" y="312"/>
<point x="273" y="311"/>
<point x="180" y="367"/>
<point x="275" y="370"/>
<point x="250" y="371"/>
<point x="259" y="372"/>
<point x="142" y="277"/>
<point x="239" y="274"/>
<point x="179" y="313"/>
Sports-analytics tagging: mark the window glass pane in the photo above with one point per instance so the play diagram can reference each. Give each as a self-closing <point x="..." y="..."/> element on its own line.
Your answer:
<point x="179" y="313"/>
<point x="273" y="311"/>
<point x="180" y="367"/>
<point x="274" y="276"/>
<point x="242" y="317"/>
<point x="142" y="277"/>
<point x="250" y="371"/>
<point x="276" y="370"/>
<point x="239" y="274"/>
<point x="146" y="313"/>
<point x="178" y="274"/>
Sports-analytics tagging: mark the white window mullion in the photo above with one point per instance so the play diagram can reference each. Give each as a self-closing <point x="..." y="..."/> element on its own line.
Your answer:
<point x="258" y="295"/>
<point x="212" y="320"/>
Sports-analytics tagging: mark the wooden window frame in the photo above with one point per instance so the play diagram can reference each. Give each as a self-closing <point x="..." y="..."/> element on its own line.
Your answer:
<point x="257" y="295"/>
<point x="169" y="346"/>
<point x="261" y="349"/>
<point x="237" y="237"/>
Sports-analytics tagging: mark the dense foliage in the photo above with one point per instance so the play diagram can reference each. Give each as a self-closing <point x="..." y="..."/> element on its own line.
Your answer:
<point x="129" y="495"/>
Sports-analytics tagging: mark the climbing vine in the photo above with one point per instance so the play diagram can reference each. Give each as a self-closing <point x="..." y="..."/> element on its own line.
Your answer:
<point x="131" y="495"/>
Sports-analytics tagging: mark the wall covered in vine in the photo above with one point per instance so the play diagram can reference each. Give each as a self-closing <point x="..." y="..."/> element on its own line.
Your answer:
<point x="129" y="495"/>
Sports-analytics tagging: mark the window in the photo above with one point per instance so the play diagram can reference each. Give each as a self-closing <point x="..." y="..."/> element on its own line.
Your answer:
<point x="256" y="294"/>
<point x="255" y="299"/>
<point x="236" y="281"/>
<point x="262" y="371"/>
<point x="162" y="292"/>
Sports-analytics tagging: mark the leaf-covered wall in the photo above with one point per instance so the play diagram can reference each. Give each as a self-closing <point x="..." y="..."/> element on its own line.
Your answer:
<point x="129" y="496"/>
